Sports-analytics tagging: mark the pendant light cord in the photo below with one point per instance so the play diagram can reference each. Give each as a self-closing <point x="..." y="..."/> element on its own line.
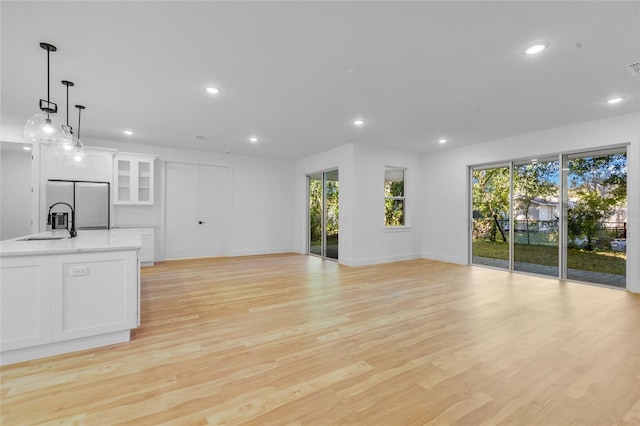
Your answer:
<point x="67" y="104"/>
<point x="68" y="83"/>
<point x="48" y="102"/>
<point x="49" y="48"/>
<point x="80" y="108"/>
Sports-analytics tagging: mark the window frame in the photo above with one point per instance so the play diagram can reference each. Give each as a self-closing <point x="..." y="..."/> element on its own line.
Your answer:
<point x="402" y="198"/>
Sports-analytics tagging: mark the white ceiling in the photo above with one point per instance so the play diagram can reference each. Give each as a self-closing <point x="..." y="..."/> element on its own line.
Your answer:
<point x="423" y="70"/>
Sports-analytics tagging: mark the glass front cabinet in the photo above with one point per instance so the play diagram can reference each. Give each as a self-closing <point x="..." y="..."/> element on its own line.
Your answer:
<point x="133" y="179"/>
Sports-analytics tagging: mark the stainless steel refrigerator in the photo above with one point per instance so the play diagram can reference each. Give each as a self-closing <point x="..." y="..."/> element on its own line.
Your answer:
<point x="90" y="201"/>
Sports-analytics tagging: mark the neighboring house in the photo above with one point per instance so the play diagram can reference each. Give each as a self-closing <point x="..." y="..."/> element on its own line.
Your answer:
<point x="539" y="209"/>
<point x="542" y="211"/>
<point x="617" y="220"/>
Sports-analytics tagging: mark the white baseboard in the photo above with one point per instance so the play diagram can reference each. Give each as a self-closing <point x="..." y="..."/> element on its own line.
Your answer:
<point x="63" y="347"/>
<point x="256" y="252"/>
<point x="448" y="259"/>
<point x="379" y="260"/>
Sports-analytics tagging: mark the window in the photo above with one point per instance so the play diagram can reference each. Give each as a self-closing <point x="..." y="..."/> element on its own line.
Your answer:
<point x="564" y="215"/>
<point x="394" y="196"/>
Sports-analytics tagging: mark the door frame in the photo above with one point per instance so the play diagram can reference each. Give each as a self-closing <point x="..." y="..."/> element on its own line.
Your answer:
<point x="323" y="238"/>
<point x="163" y="209"/>
<point x="563" y="158"/>
<point x="470" y="170"/>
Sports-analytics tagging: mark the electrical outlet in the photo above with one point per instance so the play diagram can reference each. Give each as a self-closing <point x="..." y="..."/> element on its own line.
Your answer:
<point x="78" y="271"/>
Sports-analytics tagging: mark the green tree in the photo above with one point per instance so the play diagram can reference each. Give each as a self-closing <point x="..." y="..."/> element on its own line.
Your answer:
<point x="491" y="198"/>
<point x="333" y="213"/>
<point x="597" y="187"/>
<point x="315" y="209"/>
<point x="394" y="208"/>
<point x="531" y="181"/>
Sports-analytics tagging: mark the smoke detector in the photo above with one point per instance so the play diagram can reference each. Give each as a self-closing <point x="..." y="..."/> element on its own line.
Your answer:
<point x="634" y="68"/>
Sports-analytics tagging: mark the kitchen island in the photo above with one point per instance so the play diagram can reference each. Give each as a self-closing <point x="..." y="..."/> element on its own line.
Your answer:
<point x="60" y="295"/>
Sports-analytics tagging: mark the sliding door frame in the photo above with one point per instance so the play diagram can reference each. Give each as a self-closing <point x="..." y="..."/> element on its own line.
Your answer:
<point x="563" y="231"/>
<point x="323" y="221"/>
<point x="470" y="171"/>
<point x="563" y="192"/>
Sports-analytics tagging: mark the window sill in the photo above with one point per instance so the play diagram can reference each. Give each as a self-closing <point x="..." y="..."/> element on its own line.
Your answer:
<point x="396" y="229"/>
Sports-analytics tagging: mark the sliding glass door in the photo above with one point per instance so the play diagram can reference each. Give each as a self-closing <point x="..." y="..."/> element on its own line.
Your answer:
<point x="536" y="216"/>
<point x="490" y="189"/>
<point x="596" y="200"/>
<point x="561" y="216"/>
<point x="323" y="232"/>
<point x="316" y="207"/>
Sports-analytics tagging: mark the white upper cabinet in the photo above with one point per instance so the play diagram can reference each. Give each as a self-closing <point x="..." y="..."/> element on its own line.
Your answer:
<point x="133" y="179"/>
<point x="98" y="169"/>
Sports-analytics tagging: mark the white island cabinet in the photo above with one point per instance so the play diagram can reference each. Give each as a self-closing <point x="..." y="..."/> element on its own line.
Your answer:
<point x="59" y="296"/>
<point x="146" y="234"/>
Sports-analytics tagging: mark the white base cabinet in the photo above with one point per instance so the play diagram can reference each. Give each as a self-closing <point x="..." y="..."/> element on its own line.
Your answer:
<point x="147" y="236"/>
<point x="25" y="302"/>
<point x="60" y="303"/>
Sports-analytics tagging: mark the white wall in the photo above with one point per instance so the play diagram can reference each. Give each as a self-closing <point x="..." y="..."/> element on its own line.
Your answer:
<point x="375" y="243"/>
<point x="15" y="187"/>
<point x="445" y="190"/>
<point x="340" y="158"/>
<point x="261" y="198"/>
<point x="363" y="238"/>
<point x="262" y="206"/>
<point x="270" y="196"/>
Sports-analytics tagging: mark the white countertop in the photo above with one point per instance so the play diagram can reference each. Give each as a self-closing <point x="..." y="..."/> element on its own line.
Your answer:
<point x="86" y="241"/>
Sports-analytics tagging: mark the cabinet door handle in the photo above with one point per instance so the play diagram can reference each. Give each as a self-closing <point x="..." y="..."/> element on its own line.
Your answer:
<point x="200" y="222"/>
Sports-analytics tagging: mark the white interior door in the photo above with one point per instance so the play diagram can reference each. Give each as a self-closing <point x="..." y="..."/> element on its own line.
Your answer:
<point x="213" y="212"/>
<point x="181" y="210"/>
<point x="197" y="215"/>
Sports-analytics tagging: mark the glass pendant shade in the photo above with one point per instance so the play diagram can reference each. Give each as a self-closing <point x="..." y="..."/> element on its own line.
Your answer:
<point x="78" y="157"/>
<point x="64" y="143"/>
<point x="42" y="127"/>
<point x="45" y="125"/>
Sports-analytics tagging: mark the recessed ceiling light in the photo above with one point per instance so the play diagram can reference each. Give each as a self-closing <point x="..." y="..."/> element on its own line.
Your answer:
<point x="213" y="90"/>
<point x="615" y="100"/>
<point x="536" y="48"/>
<point x="353" y="72"/>
<point x="253" y="139"/>
<point x="26" y="148"/>
<point x="128" y="132"/>
<point x="359" y="122"/>
<point x="442" y="140"/>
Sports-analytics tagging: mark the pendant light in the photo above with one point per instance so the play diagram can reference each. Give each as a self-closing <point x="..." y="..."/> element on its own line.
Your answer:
<point x="78" y="157"/>
<point x="65" y="141"/>
<point x="45" y="125"/>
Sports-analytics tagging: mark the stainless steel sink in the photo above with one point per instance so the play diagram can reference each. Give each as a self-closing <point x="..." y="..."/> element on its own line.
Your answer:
<point x="42" y="238"/>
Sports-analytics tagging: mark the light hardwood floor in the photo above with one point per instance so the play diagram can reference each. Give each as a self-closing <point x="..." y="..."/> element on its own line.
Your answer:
<point x="291" y="339"/>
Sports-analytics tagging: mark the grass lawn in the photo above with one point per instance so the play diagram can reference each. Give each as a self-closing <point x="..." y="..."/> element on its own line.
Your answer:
<point x="609" y="262"/>
<point x="331" y="239"/>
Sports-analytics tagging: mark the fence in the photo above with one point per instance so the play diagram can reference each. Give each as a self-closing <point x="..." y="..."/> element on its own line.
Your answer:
<point x="541" y="231"/>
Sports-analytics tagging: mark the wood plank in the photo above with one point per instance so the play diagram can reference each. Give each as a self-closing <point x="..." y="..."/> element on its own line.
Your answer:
<point x="291" y="339"/>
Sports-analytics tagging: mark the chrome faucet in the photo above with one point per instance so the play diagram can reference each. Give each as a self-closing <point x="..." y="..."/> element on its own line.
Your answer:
<point x="72" y="231"/>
